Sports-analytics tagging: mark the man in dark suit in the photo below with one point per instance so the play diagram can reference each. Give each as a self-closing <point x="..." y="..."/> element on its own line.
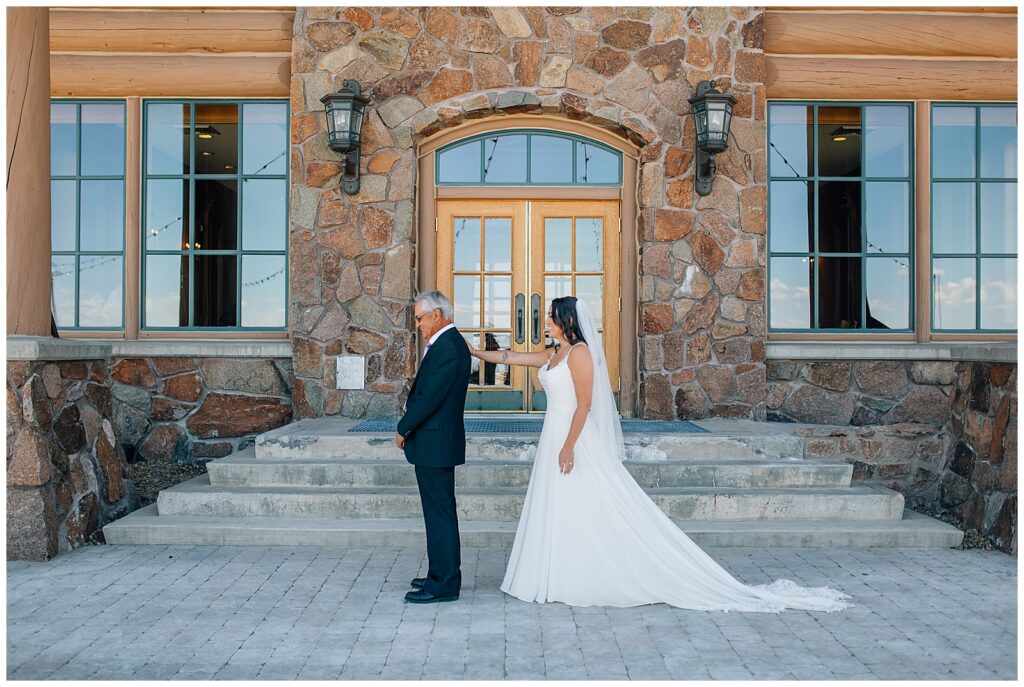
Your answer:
<point x="433" y="436"/>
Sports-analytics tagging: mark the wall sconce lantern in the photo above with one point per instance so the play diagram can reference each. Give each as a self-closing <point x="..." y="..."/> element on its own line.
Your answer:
<point x="344" y="111"/>
<point x="712" y="113"/>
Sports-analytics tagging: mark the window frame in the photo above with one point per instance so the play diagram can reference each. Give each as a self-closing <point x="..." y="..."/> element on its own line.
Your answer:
<point x="77" y="177"/>
<point x="911" y="180"/>
<point x="976" y="180"/>
<point x="529" y="133"/>
<point x="191" y="177"/>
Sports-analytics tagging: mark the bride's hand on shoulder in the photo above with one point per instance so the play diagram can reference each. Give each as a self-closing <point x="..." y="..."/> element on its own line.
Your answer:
<point x="565" y="460"/>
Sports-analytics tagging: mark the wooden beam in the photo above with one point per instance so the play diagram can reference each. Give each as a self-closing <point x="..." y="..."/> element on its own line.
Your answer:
<point x="170" y="31"/>
<point x="894" y="8"/>
<point x="866" y="33"/>
<point x="133" y="218"/>
<point x="194" y="76"/>
<point x="827" y="77"/>
<point x="28" y="173"/>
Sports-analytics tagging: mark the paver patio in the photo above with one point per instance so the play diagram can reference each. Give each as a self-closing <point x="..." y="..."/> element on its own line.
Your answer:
<point x="194" y="612"/>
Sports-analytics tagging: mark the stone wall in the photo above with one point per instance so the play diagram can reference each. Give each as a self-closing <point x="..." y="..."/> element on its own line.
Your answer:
<point x="859" y="392"/>
<point x="907" y="456"/>
<point x="979" y="479"/>
<point x="65" y="466"/>
<point x="183" y="409"/>
<point x="629" y="70"/>
<point x="947" y="434"/>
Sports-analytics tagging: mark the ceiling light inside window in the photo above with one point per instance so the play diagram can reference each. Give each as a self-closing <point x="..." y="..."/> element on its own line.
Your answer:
<point x="841" y="133"/>
<point x="206" y="132"/>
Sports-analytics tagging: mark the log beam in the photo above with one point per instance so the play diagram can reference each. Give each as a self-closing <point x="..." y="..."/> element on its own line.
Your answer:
<point x="193" y="76"/>
<point x="843" y="78"/>
<point x="170" y="31"/>
<point x="28" y="173"/>
<point x="938" y="9"/>
<point x="878" y="34"/>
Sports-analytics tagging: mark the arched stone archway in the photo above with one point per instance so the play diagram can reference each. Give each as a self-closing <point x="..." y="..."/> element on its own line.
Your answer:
<point x="626" y="71"/>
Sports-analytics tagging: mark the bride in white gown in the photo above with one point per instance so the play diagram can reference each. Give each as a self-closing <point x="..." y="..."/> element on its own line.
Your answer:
<point x="588" y="534"/>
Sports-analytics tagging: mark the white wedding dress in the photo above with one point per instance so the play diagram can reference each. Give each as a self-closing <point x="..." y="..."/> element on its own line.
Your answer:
<point x="594" y="538"/>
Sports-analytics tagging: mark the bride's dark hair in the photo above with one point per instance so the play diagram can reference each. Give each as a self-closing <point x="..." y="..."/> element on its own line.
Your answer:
<point x="563" y="313"/>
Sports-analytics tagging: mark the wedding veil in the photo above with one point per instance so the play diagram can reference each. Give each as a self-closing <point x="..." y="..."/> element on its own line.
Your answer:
<point x="604" y="416"/>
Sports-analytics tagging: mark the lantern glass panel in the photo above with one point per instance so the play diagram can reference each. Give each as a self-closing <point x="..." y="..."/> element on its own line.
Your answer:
<point x="701" y="120"/>
<point x="357" y="120"/>
<point x="342" y="119"/>
<point x="716" y="119"/>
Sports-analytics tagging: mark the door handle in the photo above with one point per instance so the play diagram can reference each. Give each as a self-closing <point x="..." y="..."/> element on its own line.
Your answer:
<point x="535" y="308"/>
<point x="520" y="318"/>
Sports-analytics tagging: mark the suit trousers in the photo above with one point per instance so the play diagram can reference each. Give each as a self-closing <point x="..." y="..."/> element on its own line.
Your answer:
<point x="437" y="494"/>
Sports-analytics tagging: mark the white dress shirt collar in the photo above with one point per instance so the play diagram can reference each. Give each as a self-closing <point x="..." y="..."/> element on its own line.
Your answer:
<point x="436" y="336"/>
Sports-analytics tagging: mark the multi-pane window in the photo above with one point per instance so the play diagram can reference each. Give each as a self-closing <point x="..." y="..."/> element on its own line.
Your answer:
<point x="516" y="158"/>
<point x="87" y="205"/>
<point x="974" y="217"/>
<point x="839" y="217"/>
<point x="215" y="214"/>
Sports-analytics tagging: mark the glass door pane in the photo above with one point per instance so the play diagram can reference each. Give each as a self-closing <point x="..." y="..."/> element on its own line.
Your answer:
<point x="574" y="253"/>
<point x="480" y="266"/>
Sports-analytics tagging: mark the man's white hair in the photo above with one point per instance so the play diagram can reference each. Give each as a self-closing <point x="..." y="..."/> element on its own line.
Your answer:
<point x="436" y="299"/>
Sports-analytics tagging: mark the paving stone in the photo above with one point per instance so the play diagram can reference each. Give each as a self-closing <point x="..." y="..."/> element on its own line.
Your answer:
<point x="160" y="613"/>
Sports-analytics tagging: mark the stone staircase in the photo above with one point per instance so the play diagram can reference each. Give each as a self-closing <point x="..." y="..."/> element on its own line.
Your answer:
<point x="315" y="483"/>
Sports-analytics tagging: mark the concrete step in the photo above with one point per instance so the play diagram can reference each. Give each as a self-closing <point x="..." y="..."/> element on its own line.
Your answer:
<point x="244" y="469"/>
<point x="198" y="497"/>
<point x="146" y="527"/>
<point x="319" y="438"/>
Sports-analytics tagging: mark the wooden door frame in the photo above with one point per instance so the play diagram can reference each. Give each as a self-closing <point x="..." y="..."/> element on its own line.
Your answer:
<point x="427" y="194"/>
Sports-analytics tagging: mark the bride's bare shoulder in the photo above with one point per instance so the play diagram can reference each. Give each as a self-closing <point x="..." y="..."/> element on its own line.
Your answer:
<point x="579" y="358"/>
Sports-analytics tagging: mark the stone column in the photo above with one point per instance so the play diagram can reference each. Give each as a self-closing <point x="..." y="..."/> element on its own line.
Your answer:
<point x="28" y="165"/>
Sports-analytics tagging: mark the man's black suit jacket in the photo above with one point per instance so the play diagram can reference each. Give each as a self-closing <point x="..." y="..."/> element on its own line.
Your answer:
<point x="435" y="435"/>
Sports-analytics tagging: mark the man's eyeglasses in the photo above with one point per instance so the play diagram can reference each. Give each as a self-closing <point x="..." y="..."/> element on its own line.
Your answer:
<point x="420" y="317"/>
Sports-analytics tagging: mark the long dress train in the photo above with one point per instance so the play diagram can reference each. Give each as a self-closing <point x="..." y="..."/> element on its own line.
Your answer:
<point x="593" y="537"/>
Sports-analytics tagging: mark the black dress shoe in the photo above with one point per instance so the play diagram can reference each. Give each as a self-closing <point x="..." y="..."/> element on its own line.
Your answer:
<point x="418" y="582"/>
<point x="422" y="596"/>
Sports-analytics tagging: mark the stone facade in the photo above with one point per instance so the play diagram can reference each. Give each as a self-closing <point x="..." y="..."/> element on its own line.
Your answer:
<point x="184" y="409"/>
<point x="65" y="465"/>
<point x="628" y="70"/>
<point x="979" y="479"/>
<point x="860" y="392"/>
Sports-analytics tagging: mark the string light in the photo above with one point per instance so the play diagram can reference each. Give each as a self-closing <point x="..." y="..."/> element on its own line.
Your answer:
<point x="487" y="165"/>
<point x="156" y="232"/>
<point x="101" y="260"/>
<point x="272" y="161"/>
<point x="878" y="248"/>
<point x="272" y="275"/>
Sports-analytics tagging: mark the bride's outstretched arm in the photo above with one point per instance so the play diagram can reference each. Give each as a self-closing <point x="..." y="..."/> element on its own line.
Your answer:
<point x="534" y="359"/>
<point x="581" y="367"/>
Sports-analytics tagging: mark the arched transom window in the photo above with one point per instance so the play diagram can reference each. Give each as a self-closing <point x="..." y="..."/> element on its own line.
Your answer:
<point x="521" y="157"/>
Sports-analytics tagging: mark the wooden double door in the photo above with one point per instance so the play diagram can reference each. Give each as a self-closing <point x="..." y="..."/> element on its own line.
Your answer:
<point x="502" y="262"/>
